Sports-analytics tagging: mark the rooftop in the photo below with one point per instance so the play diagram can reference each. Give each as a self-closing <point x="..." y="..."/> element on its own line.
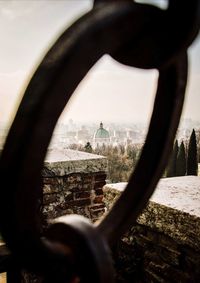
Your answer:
<point x="101" y="133"/>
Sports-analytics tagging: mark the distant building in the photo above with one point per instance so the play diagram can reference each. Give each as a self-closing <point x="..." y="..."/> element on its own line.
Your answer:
<point x="101" y="137"/>
<point x="83" y="135"/>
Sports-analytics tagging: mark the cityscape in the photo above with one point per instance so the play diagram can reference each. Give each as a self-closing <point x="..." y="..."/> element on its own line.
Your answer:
<point x="109" y="133"/>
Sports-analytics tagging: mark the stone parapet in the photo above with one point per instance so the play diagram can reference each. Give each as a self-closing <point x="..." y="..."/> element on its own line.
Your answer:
<point x="164" y="244"/>
<point x="72" y="184"/>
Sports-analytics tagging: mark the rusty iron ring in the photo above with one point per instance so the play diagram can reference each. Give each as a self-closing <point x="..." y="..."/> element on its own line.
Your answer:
<point x="41" y="106"/>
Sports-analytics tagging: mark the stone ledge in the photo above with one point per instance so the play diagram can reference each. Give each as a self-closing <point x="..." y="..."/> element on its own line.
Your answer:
<point x="65" y="162"/>
<point x="174" y="208"/>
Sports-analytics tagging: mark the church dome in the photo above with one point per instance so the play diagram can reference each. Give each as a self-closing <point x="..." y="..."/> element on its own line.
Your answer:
<point x="101" y="133"/>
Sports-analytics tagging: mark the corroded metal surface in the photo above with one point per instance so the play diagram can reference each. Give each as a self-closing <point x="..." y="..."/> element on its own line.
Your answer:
<point x="124" y="30"/>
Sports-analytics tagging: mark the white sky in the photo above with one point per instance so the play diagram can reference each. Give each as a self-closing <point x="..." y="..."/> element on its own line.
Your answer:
<point x="110" y="92"/>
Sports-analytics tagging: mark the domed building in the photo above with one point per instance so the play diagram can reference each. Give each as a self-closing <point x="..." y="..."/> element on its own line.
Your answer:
<point x="101" y="137"/>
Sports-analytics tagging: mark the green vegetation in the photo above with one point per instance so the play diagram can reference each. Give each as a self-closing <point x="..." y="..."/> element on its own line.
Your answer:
<point x="121" y="159"/>
<point x="171" y="168"/>
<point x="184" y="159"/>
<point x="88" y="147"/>
<point x="192" y="163"/>
<point x="181" y="161"/>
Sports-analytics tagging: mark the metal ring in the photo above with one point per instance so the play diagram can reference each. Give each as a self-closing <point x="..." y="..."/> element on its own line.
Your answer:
<point x="91" y="257"/>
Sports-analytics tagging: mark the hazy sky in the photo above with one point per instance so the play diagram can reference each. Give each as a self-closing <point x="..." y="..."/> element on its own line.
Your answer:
<point x="110" y="92"/>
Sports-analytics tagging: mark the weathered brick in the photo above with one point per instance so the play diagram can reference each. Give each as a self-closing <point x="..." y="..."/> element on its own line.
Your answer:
<point x="170" y="273"/>
<point x="192" y="262"/>
<point x="68" y="211"/>
<point x="47" y="173"/>
<point x="49" y="198"/>
<point x="87" y="186"/>
<point x="80" y="202"/>
<point x="100" y="176"/>
<point x="73" y="178"/>
<point x="83" y="194"/>
<point x="143" y="241"/>
<point x="98" y="199"/>
<point x="99" y="184"/>
<point x="48" y="189"/>
<point x="96" y="206"/>
<point x="166" y="241"/>
<point x="150" y="255"/>
<point x="63" y="206"/>
<point x="74" y="187"/>
<point x="56" y="181"/>
<point x="69" y="197"/>
<point x="150" y="276"/>
<point x="169" y="256"/>
<point x="87" y="179"/>
<point x="97" y="213"/>
<point x="50" y="214"/>
<point x="99" y="191"/>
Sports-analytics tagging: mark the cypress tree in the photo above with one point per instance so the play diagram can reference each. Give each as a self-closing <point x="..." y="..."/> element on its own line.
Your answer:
<point x="192" y="163"/>
<point x="171" y="168"/>
<point x="181" y="161"/>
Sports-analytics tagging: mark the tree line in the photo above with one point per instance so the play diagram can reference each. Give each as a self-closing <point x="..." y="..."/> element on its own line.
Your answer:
<point x="123" y="159"/>
<point x="184" y="159"/>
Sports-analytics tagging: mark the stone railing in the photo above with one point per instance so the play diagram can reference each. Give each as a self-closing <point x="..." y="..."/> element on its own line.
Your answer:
<point x="164" y="244"/>
<point x="73" y="183"/>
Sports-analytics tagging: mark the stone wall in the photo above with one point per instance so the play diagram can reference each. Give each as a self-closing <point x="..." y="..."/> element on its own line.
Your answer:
<point x="164" y="244"/>
<point x="73" y="183"/>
